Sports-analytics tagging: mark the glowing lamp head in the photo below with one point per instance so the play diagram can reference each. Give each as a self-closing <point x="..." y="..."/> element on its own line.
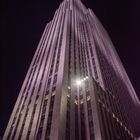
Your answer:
<point x="86" y="77"/>
<point x="78" y="82"/>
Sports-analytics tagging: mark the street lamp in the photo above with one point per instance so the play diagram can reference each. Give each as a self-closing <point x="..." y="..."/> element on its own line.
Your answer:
<point x="79" y="82"/>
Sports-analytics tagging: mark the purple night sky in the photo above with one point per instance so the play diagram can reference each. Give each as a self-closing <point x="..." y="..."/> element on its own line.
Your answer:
<point x="22" y="24"/>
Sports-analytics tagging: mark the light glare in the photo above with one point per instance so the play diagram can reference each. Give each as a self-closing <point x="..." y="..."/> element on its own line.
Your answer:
<point x="78" y="82"/>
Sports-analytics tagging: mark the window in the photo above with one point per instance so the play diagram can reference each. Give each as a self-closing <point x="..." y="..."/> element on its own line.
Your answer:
<point x="46" y="98"/>
<point x="53" y="93"/>
<point x="55" y="79"/>
<point x="39" y="134"/>
<point x="88" y="98"/>
<point x="49" y="81"/>
<point x="47" y="92"/>
<point x="28" y="135"/>
<point x="41" y="122"/>
<point x="56" y="68"/>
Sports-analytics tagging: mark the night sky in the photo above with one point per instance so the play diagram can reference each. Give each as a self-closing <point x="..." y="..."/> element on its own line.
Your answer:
<point x="22" y="24"/>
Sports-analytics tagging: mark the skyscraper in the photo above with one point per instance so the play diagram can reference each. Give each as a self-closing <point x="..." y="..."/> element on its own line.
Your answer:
<point x="76" y="87"/>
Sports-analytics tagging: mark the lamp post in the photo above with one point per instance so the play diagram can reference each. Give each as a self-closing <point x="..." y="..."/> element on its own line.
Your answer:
<point x="79" y="82"/>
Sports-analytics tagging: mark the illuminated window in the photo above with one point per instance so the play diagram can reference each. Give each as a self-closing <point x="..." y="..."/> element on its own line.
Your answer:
<point x="76" y="102"/>
<point x="113" y="115"/>
<point x="68" y="95"/>
<point x="81" y="101"/>
<point x="46" y="97"/>
<point x="121" y="123"/>
<point x="128" y="132"/>
<point x="125" y="128"/>
<point x="117" y="119"/>
<point x="88" y="98"/>
<point x="53" y="93"/>
<point x="132" y="135"/>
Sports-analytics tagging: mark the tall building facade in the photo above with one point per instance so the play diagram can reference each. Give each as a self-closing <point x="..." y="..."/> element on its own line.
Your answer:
<point x="76" y="87"/>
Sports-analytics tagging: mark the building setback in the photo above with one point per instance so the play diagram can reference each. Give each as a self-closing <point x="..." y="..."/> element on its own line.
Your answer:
<point x="76" y="87"/>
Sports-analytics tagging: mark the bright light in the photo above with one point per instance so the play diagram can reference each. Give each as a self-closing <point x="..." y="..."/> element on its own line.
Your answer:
<point x="78" y="82"/>
<point x="86" y="77"/>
